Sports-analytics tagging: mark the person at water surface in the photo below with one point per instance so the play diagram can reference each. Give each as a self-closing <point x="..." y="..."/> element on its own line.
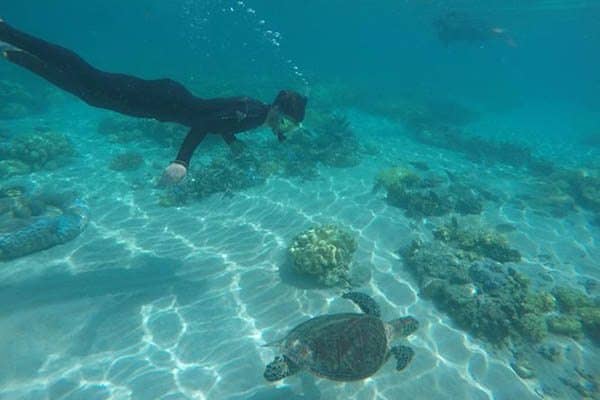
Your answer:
<point x="460" y="27"/>
<point x="163" y="99"/>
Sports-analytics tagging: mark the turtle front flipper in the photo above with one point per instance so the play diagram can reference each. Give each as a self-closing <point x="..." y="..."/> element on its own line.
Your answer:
<point x="404" y="326"/>
<point x="365" y="302"/>
<point x="403" y="356"/>
<point x="281" y="367"/>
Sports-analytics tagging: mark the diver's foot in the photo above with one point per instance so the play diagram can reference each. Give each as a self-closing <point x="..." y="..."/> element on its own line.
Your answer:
<point x="5" y="48"/>
<point x="11" y="53"/>
<point x="3" y="26"/>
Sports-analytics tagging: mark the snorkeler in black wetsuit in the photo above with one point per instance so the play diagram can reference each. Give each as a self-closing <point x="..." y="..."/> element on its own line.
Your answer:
<point x="163" y="99"/>
<point x="460" y="27"/>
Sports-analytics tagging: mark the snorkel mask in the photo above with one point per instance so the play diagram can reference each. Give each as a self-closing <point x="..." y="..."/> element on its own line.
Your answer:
<point x="287" y="112"/>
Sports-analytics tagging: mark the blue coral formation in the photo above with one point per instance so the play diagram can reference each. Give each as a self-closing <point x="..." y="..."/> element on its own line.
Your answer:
<point x="39" y="230"/>
<point x="464" y="273"/>
<point x="493" y="301"/>
<point x="490" y="300"/>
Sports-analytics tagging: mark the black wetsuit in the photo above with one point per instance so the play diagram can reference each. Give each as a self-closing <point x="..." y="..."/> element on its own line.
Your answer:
<point x="162" y="99"/>
<point x="458" y="27"/>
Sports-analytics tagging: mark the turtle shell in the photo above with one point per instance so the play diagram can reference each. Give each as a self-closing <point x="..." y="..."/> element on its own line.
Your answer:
<point x="341" y="347"/>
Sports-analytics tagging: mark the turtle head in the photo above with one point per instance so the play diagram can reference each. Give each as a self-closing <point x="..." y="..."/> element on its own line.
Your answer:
<point x="403" y="327"/>
<point x="281" y="367"/>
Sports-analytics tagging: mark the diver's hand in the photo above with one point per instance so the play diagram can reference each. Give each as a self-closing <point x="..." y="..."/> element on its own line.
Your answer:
<point x="173" y="174"/>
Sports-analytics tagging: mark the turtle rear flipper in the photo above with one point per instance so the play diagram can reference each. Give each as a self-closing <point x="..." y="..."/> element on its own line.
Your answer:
<point x="403" y="356"/>
<point x="281" y="367"/>
<point x="365" y="302"/>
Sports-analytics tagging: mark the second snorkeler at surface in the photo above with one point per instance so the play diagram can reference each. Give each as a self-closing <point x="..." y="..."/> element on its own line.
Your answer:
<point x="163" y="99"/>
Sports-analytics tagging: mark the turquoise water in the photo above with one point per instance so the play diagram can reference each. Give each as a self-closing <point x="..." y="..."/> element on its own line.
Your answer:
<point x="164" y="297"/>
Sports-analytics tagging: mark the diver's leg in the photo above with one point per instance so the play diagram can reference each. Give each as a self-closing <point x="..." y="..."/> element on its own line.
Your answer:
<point x="162" y="99"/>
<point x="49" y="53"/>
<point x="54" y="63"/>
<point x="3" y="45"/>
<point x="41" y="69"/>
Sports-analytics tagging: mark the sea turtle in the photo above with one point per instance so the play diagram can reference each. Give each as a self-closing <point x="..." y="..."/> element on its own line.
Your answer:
<point x="345" y="346"/>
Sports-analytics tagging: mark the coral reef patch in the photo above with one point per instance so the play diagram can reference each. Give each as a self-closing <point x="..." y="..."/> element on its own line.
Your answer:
<point x="324" y="252"/>
<point x="464" y="273"/>
<point x="477" y="243"/>
<point x="36" y="151"/>
<point x="120" y="129"/>
<point x="427" y="196"/>
<point x="18" y="102"/>
<point x="129" y="161"/>
<point x="331" y="143"/>
<point x="490" y="300"/>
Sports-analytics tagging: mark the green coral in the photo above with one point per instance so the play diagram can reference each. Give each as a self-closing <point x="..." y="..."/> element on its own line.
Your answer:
<point x="10" y="168"/>
<point x="569" y="300"/>
<point x="325" y="252"/>
<point x="408" y="191"/>
<point x="331" y="141"/>
<point x="540" y="303"/>
<point x="564" y="188"/>
<point x="553" y="197"/>
<point x="477" y="243"/>
<point x="576" y="305"/>
<point x="269" y="168"/>
<point x="587" y="191"/>
<point x="222" y="175"/>
<point x="590" y="318"/>
<point x="566" y="325"/>
<point x="127" y="162"/>
<point x="551" y="352"/>
<point x="395" y="177"/>
<point x="533" y="326"/>
<point x="418" y="203"/>
<point x="421" y="197"/>
<point x="436" y="261"/>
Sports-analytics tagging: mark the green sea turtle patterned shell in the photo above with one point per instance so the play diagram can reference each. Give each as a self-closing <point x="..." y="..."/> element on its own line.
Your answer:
<point x="343" y="347"/>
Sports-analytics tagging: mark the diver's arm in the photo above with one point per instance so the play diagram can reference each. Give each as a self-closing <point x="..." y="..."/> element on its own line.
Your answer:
<point x="194" y="137"/>
<point x="177" y="170"/>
